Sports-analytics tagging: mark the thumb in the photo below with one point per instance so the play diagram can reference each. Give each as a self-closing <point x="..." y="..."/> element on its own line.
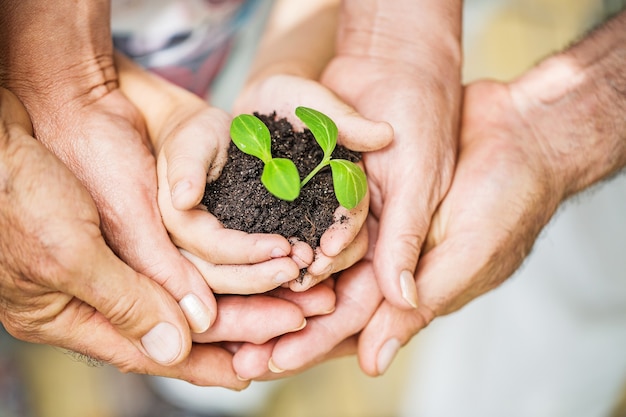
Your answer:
<point x="135" y="306"/>
<point x="355" y="131"/>
<point x="191" y="162"/>
<point x="361" y="134"/>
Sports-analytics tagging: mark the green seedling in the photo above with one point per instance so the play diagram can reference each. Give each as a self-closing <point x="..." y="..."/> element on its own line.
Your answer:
<point x="280" y="175"/>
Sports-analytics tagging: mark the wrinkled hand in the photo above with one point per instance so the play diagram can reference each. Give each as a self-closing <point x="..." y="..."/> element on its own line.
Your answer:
<point x="409" y="178"/>
<point x="500" y="199"/>
<point x="62" y="285"/>
<point x="340" y="246"/>
<point x="79" y="114"/>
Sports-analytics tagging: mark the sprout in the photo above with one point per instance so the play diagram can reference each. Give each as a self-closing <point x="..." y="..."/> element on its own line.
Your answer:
<point x="280" y="175"/>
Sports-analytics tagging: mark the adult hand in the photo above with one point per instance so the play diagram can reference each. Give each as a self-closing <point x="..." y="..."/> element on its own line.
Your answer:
<point x="388" y="68"/>
<point x="66" y="78"/>
<point x="340" y="246"/>
<point x="498" y="202"/>
<point x="60" y="283"/>
<point x="524" y="148"/>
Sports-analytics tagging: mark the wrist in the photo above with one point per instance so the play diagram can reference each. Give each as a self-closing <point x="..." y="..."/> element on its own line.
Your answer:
<point x="386" y="31"/>
<point x="41" y="58"/>
<point x="575" y="104"/>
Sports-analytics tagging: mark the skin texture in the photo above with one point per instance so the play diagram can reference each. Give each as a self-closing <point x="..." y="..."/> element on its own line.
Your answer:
<point x="409" y="76"/>
<point x="395" y="84"/>
<point x="135" y="302"/>
<point x="50" y="250"/>
<point x="525" y="147"/>
<point x="81" y="116"/>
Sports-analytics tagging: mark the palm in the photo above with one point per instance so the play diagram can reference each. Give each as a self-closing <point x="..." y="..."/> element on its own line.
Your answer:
<point x="497" y="204"/>
<point x="409" y="177"/>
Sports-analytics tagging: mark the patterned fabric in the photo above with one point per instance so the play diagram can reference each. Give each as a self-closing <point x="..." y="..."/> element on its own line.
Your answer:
<point x="184" y="41"/>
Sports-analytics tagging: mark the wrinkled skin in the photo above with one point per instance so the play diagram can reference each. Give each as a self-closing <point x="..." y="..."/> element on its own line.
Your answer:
<point x="52" y="246"/>
<point x="499" y="200"/>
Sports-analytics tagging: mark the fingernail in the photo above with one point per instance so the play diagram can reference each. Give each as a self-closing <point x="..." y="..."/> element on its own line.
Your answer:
<point x="282" y="277"/>
<point x="326" y="270"/>
<point x="163" y="343"/>
<point x="332" y="310"/>
<point x="242" y="379"/>
<point x="272" y="367"/>
<point x="408" y="288"/>
<point x="386" y="355"/>
<point x="301" y="326"/>
<point x="197" y="313"/>
<point x="278" y="253"/>
<point x="180" y="187"/>
<point x="301" y="264"/>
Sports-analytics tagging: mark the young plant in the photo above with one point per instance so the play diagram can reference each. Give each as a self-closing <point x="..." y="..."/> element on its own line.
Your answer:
<point x="280" y="175"/>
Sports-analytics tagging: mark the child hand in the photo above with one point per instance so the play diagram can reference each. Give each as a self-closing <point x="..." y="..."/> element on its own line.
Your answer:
<point x="345" y="242"/>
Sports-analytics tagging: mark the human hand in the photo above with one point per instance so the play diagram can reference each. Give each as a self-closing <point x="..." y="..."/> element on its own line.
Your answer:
<point x="498" y="202"/>
<point x="340" y="246"/>
<point x="503" y="193"/>
<point x="324" y="337"/>
<point x="191" y="140"/>
<point x="175" y="119"/>
<point x="81" y="116"/>
<point x="408" y="76"/>
<point x="61" y="285"/>
<point x="524" y="148"/>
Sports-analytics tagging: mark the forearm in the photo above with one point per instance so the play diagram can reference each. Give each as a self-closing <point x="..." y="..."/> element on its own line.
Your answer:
<point x="60" y="51"/>
<point x="575" y="102"/>
<point x="299" y="39"/>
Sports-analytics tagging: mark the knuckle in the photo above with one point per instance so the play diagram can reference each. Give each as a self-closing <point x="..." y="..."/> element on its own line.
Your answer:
<point x="123" y="310"/>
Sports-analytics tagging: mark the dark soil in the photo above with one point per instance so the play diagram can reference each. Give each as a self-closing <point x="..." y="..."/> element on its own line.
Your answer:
<point x="240" y="201"/>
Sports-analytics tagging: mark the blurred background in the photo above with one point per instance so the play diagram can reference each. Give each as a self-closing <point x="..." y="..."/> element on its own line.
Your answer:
<point x="431" y="376"/>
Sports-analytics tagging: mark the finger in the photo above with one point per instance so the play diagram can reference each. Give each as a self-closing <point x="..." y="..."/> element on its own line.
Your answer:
<point x="194" y="152"/>
<point x="403" y="225"/>
<point x="251" y="361"/>
<point x="134" y="305"/>
<point x="355" y="131"/>
<point x="449" y="276"/>
<point x="345" y="228"/>
<point x="316" y="301"/>
<point x="324" y="266"/>
<point x="358" y="297"/>
<point x="200" y="233"/>
<point x="245" y="279"/>
<point x="150" y="251"/>
<point x="301" y="253"/>
<point x="254" y="319"/>
<point x="389" y="329"/>
<point x="206" y="365"/>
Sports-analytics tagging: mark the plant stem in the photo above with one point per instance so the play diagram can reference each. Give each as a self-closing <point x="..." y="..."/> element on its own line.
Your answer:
<point x="317" y="169"/>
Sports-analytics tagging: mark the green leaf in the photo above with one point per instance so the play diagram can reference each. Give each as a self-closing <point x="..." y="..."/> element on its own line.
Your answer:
<point x="349" y="181"/>
<point x="251" y="136"/>
<point x="281" y="178"/>
<point x="323" y="128"/>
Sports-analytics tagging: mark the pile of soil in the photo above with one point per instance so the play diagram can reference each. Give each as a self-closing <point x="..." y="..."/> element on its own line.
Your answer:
<point x="240" y="201"/>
